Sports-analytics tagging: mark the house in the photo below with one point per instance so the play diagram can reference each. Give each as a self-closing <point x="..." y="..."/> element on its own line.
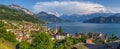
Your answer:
<point x="77" y="35"/>
<point x="9" y="30"/>
<point x="97" y="35"/>
<point x="19" y="36"/>
<point x="105" y="38"/>
<point x="89" y="40"/>
<point x="100" y="35"/>
<point x="61" y="36"/>
<point x="52" y="37"/>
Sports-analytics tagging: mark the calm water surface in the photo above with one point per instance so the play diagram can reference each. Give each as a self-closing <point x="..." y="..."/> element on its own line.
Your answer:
<point x="73" y="28"/>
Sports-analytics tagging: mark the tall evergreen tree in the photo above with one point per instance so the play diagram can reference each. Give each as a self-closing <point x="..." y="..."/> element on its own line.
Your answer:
<point x="60" y="29"/>
<point x="113" y="35"/>
<point x="90" y="35"/>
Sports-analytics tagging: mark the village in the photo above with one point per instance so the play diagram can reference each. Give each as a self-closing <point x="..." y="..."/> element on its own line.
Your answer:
<point x="23" y="31"/>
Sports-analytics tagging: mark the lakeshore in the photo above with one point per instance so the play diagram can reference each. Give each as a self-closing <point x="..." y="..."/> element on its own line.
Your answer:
<point x="79" y="27"/>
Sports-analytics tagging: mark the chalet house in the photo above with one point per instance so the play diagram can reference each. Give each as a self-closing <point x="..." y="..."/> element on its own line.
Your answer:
<point x="61" y="36"/>
<point x="89" y="40"/>
<point x="97" y="35"/>
<point x="77" y="35"/>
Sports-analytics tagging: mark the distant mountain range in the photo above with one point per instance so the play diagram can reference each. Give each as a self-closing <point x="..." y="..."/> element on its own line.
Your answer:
<point x="81" y="18"/>
<point x="115" y="18"/>
<point x="48" y="17"/>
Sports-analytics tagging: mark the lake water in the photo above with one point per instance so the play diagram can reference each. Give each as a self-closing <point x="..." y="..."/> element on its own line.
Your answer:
<point x="73" y="28"/>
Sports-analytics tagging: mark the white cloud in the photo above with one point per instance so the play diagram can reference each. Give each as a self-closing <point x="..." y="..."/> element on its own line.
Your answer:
<point x="115" y="10"/>
<point x="68" y="7"/>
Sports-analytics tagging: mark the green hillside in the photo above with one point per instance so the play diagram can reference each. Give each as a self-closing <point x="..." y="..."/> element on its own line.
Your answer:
<point x="3" y="46"/>
<point x="10" y="14"/>
<point x="6" y="45"/>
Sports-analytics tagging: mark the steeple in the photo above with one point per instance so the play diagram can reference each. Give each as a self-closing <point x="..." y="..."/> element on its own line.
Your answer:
<point x="55" y="29"/>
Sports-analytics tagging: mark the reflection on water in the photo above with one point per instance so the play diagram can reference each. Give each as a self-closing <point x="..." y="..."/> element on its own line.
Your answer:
<point x="73" y="28"/>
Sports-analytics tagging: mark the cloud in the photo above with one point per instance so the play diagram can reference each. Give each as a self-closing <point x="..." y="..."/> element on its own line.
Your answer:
<point x="68" y="7"/>
<point x="115" y="10"/>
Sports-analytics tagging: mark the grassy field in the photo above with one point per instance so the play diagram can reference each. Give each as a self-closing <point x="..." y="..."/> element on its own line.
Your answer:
<point x="6" y="45"/>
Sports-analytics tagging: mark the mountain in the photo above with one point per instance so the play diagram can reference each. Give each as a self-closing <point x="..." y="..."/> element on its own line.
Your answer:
<point x="99" y="19"/>
<point x="20" y="9"/>
<point x="115" y="18"/>
<point x="48" y="17"/>
<point x="80" y="18"/>
<point x="11" y="14"/>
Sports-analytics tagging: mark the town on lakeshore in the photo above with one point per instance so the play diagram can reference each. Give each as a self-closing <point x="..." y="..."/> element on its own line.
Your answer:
<point x="23" y="31"/>
<point x="59" y="24"/>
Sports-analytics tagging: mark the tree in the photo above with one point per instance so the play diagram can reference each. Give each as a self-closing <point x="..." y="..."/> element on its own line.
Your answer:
<point x="2" y="32"/>
<point x="113" y="35"/>
<point x="83" y="35"/>
<point x="42" y="41"/>
<point x="60" y="29"/>
<point x="23" y="45"/>
<point x="61" y="46"/>
<point x="1" y="24"/>
<point x="67" y="44"/>
<point x="90" y="35"/>
<point x="106" y="34"/>
<point x="9" y="36"/>
<point x="101" y="41"/>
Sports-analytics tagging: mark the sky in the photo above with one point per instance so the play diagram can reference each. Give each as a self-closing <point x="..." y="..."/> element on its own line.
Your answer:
<point x="59" y="7"/>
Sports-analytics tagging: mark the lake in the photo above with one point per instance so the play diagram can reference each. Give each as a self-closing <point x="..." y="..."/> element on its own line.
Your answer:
<point x="78" y="27"/>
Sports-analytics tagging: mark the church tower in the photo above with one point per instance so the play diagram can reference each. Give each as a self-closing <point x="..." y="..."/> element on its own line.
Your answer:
<point x="55" y="29"/>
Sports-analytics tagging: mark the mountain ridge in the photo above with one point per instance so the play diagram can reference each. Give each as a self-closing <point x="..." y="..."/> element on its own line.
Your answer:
<point x="80" y="18"/>
<point x="11" y="14"/>
<point x="20" y="9"/>
<point x="48" y="17"/>
<point x="115" y="18"/>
